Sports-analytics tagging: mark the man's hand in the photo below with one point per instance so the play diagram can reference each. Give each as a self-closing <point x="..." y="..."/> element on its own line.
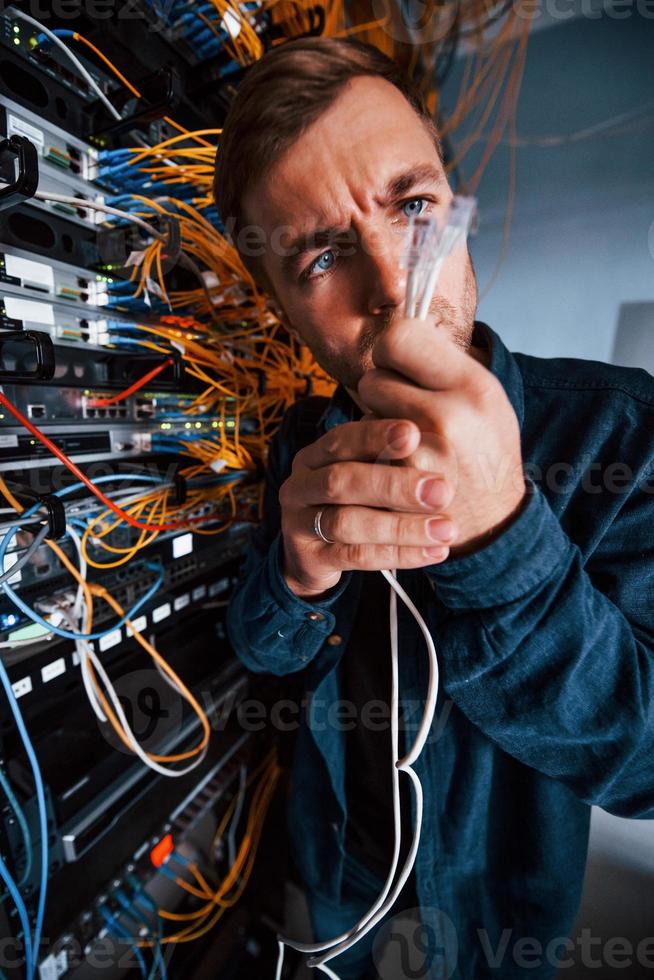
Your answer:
<point x="377" y="515"/>
<point x="469" y="430"/>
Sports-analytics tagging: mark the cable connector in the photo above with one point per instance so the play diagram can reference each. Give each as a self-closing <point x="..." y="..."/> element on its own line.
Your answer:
<point x="17" y="152"/>
<point x="55" y="511"/>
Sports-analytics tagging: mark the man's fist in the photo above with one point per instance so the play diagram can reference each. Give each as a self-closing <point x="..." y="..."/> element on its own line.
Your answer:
<point x="377" y="515"/>
<point x="469" y="430"/>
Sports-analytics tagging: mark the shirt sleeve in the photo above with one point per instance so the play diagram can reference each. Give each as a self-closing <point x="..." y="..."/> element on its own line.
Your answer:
<point x="552" y="655"/>
<point x="271" y="629"/>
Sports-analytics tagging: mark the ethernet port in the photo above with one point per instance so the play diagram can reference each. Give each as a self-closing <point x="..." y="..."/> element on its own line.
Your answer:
<point x="74" y="155"/>
<point x="36" y="411"/>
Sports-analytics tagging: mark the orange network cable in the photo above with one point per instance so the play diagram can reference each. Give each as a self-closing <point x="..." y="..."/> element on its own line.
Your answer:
<point x="75" y="470"/>
<point x="119" y="75"/>
<point x="102" y="593"/>
<point x="133" y="388"/>
<point x="217" y="902"/>
<point x="89" y="590"/>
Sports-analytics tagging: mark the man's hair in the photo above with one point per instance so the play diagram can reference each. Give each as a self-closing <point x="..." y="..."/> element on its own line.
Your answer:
<point x="280" y="97"/>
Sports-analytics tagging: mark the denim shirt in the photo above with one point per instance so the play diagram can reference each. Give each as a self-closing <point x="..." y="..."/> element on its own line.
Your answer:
<point x="545" y="642"/>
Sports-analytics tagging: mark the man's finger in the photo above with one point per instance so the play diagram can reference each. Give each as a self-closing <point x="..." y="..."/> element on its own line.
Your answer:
<point x="387" y="391"/>
<point x="367" y="525"/>
<point x="400" y="488"/>
<point x="402" y="346"/>
<point x="372" y="558"/>
<point x="377" y="440"/>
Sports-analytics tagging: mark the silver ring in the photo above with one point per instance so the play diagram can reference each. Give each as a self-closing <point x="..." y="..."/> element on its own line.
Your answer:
<point x="318" y="530"/>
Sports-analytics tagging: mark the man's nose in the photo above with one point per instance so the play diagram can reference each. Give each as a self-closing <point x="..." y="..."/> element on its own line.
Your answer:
<point x="385" y="280"/>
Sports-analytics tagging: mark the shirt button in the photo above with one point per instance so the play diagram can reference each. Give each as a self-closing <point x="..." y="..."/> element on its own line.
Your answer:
<point x="315" y="617"/>
<point x="334" y="640"/>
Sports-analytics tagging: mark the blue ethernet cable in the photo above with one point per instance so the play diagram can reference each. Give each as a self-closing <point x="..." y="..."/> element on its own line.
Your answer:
<point x="140" y="919"/>
<point x="134" y="917"/>
<point x="22" y="823"/>
<point x="31" y="945"/>
<point x="34" y="616"/>
<point x="59" y="31"/>
<point x="123" y="933"/>
<point x="12" y="889"/>
<point x="67" y="634"/>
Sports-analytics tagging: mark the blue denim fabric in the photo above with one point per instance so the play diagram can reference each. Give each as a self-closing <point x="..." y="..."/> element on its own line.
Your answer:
<point x="545" y="640"/>
<point x="361" y="888"/>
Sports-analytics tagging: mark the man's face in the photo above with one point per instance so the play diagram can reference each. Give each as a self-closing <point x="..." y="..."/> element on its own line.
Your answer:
<point x="334" y="210"/>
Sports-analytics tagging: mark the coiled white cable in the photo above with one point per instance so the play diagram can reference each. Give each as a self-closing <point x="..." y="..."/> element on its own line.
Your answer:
<point x="86" y="653"/>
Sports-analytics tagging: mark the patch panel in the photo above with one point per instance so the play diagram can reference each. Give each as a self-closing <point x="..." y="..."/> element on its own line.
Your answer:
<point x="59" y="151"/>
<point x="60" y="323"/>
<point x="20" y="36"/>
<point x="129" y="582"/>
<point x="66" y="166"/>
<point x="95" y="444"/>
<point x="204" y="804"/>
<point x="23" y="275"/>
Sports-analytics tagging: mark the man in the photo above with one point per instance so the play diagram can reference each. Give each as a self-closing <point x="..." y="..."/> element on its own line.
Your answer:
<point x="518" y="511"/>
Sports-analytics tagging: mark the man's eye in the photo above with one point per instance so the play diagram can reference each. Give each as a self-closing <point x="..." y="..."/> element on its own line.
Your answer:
<point x="323" y="263"/>
<point x="415" y="206"/>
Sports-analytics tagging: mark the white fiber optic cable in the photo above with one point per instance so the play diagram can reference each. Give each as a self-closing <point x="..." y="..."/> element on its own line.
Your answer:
<point x="87" y="655"/>
<point x="456" y="230"/>
<point x="90" y="81"/>
<point x="80" y="202"/>
<point x="425" y="251"/>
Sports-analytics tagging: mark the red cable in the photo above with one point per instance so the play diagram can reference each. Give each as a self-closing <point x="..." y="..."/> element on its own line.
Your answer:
<point x="50" y="446"/>
<point x="141" y="383"/>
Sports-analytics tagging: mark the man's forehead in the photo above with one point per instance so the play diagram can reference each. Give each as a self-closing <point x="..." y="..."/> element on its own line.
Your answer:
<point x="369" y="135"/>
<point x="325" y="195"/>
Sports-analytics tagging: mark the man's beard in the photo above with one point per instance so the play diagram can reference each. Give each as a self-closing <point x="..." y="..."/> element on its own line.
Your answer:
<point x="350" y="367"/>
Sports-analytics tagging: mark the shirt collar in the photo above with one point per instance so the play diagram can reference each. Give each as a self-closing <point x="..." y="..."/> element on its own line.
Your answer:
<point x="503" y="365"/>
